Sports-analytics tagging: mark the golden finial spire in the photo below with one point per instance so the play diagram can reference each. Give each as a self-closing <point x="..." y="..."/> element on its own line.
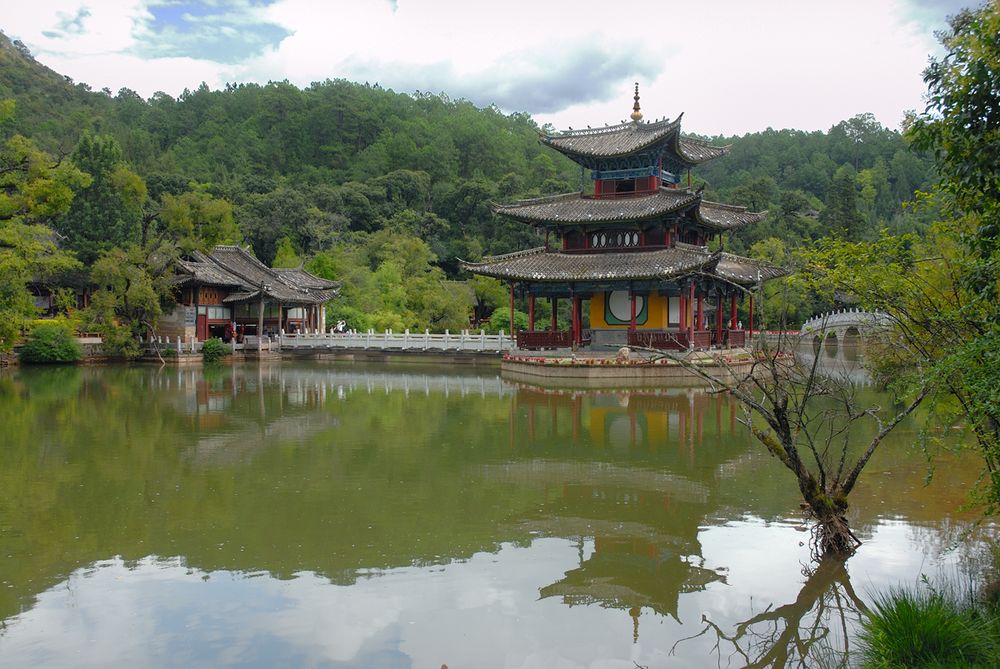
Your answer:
<point x="636" y="114"/>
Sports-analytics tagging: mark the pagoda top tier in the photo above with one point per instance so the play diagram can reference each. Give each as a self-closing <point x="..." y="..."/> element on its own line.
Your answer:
<point x="642" y="140"/>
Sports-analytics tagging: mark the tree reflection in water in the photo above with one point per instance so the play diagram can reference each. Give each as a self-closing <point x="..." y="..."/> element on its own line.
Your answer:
<point x="817" y="625"/>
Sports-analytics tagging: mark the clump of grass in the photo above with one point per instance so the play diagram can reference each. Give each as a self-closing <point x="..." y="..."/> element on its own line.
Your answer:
<point x="909" y="628"/>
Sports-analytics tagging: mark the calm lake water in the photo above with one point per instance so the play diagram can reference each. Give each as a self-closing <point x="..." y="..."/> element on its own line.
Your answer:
<point x="337" y="515"/>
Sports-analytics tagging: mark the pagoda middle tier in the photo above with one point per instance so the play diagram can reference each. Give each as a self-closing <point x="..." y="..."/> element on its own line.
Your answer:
<point x="654" y="270"/>
<point x="661" y="217"/>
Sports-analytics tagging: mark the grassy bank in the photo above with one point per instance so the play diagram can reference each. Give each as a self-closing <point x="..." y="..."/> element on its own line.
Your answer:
<point x="955" y="626"/>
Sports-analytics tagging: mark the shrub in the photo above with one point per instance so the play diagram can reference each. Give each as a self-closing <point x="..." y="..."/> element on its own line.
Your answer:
<point x="928" y="629"/>
<point x="51" y="343"/>
<point x="119" y="341"/>
<point x="500" y="320"/>
<point x="213" y="350"/>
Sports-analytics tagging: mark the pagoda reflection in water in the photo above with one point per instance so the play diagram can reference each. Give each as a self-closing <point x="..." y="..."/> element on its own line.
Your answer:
<point x="637" y="529"/>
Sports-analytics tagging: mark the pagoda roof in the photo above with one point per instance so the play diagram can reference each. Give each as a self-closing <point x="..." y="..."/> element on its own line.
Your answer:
<point x="630" y="138"/>
<point x="541" y="265"/>
<point x="577" y="209"/>
<point x="235" y="267"/>
<point x="616" y="140"/>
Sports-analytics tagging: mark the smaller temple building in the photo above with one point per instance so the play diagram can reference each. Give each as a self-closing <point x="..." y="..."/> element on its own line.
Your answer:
<point x="229" y="293"/>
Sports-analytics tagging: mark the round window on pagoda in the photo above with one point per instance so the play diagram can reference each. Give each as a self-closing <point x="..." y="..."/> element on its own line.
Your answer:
<point x="593" y="240"/>
<point x="604" y="240"/>
<point x="620" y="306"/>
<point x="635" y="239"/>
<point x="619" y="239"/>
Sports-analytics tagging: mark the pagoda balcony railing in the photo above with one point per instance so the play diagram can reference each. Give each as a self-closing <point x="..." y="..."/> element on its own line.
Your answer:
<point x="619" y="196"/>
<point x="540" y="339"/>
<point x="704" y="338"/>
<point x="671" y="341"/>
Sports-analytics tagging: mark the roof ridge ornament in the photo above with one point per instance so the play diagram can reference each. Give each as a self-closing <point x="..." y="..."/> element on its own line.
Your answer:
<point x="636" y="112"/>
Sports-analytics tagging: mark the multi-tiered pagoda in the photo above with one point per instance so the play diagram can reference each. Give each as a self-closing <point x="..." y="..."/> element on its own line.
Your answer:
<point x="637" y="249"/>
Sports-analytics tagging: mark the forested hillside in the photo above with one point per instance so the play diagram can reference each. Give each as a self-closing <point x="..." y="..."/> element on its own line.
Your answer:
<point x="387" y="190"/>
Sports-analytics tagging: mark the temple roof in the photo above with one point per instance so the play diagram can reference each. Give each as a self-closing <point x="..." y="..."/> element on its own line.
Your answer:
<point x="234" y="267"/>
<point x="616" y="140"/>
<point x="630" y="138"/>
<point x="698" y="151"/>
<point x="575" y="209"/>
<point x="540" y="265"/>
<point x="726" y="216"/>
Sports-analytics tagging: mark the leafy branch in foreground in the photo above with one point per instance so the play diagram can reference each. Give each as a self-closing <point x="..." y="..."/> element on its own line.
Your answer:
<point x="944" y="338"/>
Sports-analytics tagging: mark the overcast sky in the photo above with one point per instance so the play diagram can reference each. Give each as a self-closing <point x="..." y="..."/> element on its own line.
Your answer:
<point x="732" y="66"/>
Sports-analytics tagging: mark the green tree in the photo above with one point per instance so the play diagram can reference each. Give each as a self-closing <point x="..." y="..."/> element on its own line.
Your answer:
<point x="286" y="256"/>
<point x="942" y="339"/>
<point x="107" y="212"/>
<point x="34" y="189"/>
<point x="841" y="216"/>
<point x="193" y="220"/>
<point x="961" y="128"/>
<point x="132" y="287"/>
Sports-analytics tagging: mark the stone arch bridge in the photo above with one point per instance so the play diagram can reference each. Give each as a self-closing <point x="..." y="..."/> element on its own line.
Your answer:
<point x="845" y="326"/>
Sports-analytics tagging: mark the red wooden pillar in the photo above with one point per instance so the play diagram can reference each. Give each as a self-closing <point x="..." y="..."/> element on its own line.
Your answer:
<point x="682" y="312"/>
<point x="718" y="323"/>
<point x="555" y="314"/>
<point x="732" y="312"/>
<point x="576" y="321"/>
<point x="691" y="320"/>
<point x="751" y="317"/>
<point x="531" y="312"/>
<point x="631" y="323"/>
<point x="511" y="309"/>
<point x="700" y="323"/>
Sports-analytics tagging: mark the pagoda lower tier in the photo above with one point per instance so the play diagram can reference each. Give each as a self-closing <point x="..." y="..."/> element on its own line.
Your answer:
<point x="680" y="297"/>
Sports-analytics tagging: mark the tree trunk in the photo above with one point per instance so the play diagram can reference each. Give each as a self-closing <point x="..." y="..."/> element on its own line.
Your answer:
<point x="831" y="535"/>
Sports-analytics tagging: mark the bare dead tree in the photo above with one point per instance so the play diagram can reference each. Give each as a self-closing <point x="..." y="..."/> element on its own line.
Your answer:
<point x="814" y="422"/>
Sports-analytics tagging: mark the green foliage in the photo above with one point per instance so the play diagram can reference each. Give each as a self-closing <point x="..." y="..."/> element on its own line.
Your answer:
<point x="51" y="343"/>
<point x="786" y="302"/>
<point x="928" y="628"/>
<point x="941" y="337"/>
<point x="107" y="212"/>
<point x="33" y="189"/>
<point x="500" y="320"/>
<point x="390" y="281"/>
<point x="131" y="289"/>
<point x="961" y="126"/>
<point x="285" y="256"/>
<point x="213" y="350"/>
<point x="194" y="220"/>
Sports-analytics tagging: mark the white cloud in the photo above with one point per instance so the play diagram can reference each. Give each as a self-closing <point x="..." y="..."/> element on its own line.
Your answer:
<point x="731" y="66"/>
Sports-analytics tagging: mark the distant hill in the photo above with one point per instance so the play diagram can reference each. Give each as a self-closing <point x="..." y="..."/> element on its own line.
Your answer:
<point x="339" y="158"/>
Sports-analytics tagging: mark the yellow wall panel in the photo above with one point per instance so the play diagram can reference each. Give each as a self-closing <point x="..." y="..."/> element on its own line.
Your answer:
<point x="656" y="304"/>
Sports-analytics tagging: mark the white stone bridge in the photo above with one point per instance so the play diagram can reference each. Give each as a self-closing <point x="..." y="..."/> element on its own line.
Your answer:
<point x="845" y="325"/>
